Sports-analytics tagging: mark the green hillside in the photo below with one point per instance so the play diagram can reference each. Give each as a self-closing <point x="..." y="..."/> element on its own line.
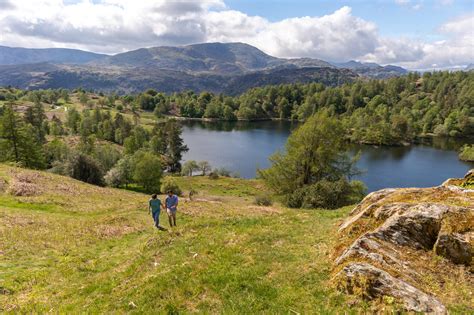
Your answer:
<point x="67" y="246"/>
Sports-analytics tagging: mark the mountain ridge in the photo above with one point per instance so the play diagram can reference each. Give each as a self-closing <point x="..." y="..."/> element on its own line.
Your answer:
<point x="216" y="67"/>
<point x="372" y="69"/>
<point x="19" y="55"/>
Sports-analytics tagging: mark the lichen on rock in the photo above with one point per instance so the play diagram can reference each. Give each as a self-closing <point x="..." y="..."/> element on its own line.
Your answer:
<point x="390" y="241"/>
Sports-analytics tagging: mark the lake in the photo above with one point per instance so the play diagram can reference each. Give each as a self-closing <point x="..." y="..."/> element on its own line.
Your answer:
<point x="243" y="147"/>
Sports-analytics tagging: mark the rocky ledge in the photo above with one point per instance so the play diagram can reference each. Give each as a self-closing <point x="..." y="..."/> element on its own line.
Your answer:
<point x="412" y="246"/>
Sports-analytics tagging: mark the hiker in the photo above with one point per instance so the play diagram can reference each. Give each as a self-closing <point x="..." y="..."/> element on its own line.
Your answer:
<point x="154" y="206"/>
<point x="171" y="207"/>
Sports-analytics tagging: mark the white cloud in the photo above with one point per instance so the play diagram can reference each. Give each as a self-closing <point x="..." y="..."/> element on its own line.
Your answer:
<point x="108" y="26"/>
<point x="112" y="26"/>
<point x="338" y="36"/>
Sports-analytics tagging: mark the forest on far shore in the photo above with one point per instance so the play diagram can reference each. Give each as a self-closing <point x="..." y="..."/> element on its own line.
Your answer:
<point x="383" y="112"/>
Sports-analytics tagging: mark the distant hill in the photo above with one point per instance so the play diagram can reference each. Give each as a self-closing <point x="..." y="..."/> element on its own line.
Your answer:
<point x="372" y="70"/>
<point x="137" y="79"/>
<point x="217" y="67"/>
<point x="470" y="67"/>
<point x="219" y="58"/>
<point x="17" y="56"/>
<point x="327" y="76"/>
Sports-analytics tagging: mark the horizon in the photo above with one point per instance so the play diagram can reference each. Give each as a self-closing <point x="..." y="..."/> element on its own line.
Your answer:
<point x="434" y="35"/>
<point x="453" y="68"/>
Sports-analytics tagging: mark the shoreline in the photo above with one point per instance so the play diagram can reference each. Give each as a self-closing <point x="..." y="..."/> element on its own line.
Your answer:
<point x="223" y="120"/>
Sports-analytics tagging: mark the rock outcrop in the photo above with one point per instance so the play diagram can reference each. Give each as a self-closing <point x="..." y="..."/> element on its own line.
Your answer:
<point x="408" y="244"/>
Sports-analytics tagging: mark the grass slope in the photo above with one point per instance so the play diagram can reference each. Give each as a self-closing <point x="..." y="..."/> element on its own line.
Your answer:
<point x="72" y="247"/>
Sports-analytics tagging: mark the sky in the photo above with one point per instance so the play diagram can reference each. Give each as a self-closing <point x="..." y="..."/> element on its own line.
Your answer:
<point x="415" y="34"/>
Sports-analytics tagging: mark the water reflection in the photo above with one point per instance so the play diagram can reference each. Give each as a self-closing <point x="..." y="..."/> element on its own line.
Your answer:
<point x="245" y="146"/>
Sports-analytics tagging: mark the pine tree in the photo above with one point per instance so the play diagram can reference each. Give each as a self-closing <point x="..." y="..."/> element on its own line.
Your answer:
<point x="16" y="143"/>
<point x="172" y="144"/>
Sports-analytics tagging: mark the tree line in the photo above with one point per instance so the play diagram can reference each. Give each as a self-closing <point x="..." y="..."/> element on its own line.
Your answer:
<point x="92" y="145"/>
<point x="388" y="112"/>
<point x="384" y="112"/>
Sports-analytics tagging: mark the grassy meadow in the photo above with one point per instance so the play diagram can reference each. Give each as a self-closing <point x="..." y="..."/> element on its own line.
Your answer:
<point x="66" y="246"/>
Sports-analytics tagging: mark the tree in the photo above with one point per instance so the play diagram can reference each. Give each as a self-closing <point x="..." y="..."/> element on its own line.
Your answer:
<point x="147" y="171"/>
<point x="16" y="143"/>
<point x="170" y="141"/>
<point x="204" y="167"/>
<point x="121" y="173"/>
<point x="189" y="168"/>
<point x="84" y="168"/>
<point x="314" y="153"/>
<point x="83" y="98"/>
<point x="137" y="140"/>
<point x="56" y="151"/>
<point x="36" y="117"/>
<point x="73" y="120"/>
<point x="56" y="126"/>
<point x="107" y="155"/>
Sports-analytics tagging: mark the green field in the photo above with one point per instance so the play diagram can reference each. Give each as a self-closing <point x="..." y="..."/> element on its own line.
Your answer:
<point x="72" y="247"/>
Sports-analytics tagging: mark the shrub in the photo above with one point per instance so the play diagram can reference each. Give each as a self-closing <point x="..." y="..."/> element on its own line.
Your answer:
<point x="467" y="153"/>
<point x="170" y="184"/>
<point x="192" y="193"/>
<point x="121" y="173"/>
<point x="204" y="167"/>
<point x="213" y="175"/>
<point x="84" y="168"/>
<point x="147" y="170"/>
<point x="326" y="194"/>
<point x="113" y="178"/>
<point x="107" y="156"/>
<point x="189" y="168"/>
<point x="223" y="172"/>
<point x="3" y="185"/>
<point x="440" y="130"/>
<point x="263" y="200"/>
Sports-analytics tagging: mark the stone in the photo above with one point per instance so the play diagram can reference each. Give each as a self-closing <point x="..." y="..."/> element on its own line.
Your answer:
<point x="387" y="245"/>
<point x="372" y="282"/>
<point x="417" y="227"/>
<point x="455" y="247"/>
<point x="376" y="252"/>
<point x="469" y="175"/>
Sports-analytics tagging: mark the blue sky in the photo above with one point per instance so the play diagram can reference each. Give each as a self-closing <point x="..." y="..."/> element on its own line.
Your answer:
<point x="416" y="34"/>
<point x="392" y="18"/>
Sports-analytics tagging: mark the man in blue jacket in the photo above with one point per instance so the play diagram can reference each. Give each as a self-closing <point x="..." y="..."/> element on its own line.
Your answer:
<point x="171" y="207"/>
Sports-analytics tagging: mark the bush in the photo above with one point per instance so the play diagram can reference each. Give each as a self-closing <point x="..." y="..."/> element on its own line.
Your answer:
<point x="189" y="168"/>
<point x="263" y="200"/>
<point x="107" y="156"/>
<point x="467" y="153"/>
<point x="440" y="130"/>
<point x="223" y="172"/>
<point x="84" y="168"/>
<point x="213" y="175"/>
<point x="113" y="178"/>
<point x="147" y="171"/>
<point x="121" y="173"/>
<point x="170" y="184"/>
<point x="326" y="194"/>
